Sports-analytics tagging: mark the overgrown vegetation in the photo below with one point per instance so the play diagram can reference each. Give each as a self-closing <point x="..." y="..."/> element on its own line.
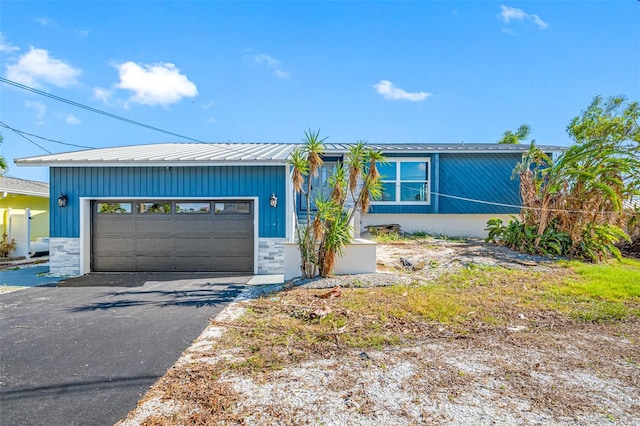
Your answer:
<point x="573" y="205"/>
<point x="353" y="185"/>
<point x="7" y="246"/>
<point x="516" y="137"/>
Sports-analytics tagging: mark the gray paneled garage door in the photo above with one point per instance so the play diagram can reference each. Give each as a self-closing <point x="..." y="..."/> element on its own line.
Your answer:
<point x="170" y="235"/>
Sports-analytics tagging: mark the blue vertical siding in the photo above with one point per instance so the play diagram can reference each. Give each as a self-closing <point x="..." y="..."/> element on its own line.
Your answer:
<point x="154" y="182"/>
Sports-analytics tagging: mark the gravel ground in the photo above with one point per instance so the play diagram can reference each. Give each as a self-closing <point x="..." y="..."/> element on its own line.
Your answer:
<point x="551" y="374"/>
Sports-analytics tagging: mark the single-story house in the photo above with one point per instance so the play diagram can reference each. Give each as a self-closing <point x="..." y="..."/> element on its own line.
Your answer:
<point x="24" y="212"/>
<point x="231" y="207"/>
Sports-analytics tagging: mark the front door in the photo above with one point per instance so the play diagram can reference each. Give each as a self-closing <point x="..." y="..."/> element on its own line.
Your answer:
<point x="319" y="188"/>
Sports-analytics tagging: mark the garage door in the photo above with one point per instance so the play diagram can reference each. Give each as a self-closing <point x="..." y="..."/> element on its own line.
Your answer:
<point x="183" y="236"/>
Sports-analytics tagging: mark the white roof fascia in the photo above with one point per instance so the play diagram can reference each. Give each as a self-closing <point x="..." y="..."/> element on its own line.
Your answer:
<point x="30" y="193"/>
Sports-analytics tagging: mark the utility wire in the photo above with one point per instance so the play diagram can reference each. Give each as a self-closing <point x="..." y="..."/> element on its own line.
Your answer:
<point x="43" y="138"/>
<point x="20" y="134"/>
<point x="514" y="206"/>
<point x="473" y="200"/>
<point x="88" y="108"/>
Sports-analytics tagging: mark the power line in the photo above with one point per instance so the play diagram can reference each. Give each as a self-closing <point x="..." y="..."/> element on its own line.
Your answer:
<point x="473" y="200"/>
<point x="20" y="132"/>
<point x="97" y="111"/>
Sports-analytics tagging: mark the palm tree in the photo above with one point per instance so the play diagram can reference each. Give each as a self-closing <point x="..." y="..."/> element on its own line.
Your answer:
<point x="520" y="135"/>
<point x="320" y="240"/>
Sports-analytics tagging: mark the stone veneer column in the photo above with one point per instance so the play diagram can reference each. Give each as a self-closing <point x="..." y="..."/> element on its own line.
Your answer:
<point x="271" y="255"/>
<point x="64" y="256"/>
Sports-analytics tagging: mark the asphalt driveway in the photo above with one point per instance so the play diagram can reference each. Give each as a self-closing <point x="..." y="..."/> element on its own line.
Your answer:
<point x="84" y="352"/>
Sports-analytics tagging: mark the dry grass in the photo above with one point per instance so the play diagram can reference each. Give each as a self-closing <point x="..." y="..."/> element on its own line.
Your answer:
<point x="507" y="335"/>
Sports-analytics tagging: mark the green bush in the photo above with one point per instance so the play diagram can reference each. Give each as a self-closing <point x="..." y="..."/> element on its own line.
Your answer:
<point x="521" y="237"/>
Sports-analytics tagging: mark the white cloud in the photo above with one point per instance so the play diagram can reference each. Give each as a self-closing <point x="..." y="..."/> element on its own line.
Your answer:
<point x="46" y="22"/>
<point x="38" y="108"/>
<point x="271" y="63"/>
<point x="5" y="46"/>
<point x="72" y="119"/>
<point x="509" y="14"/>
<point x="207" y="105"/>
<point x="50" y="23"/>
<point x="392" y="93"/>
<point x="264" y="58"/>
<point x="157" y="84"/>
<point x="282" y="74"/>
<point x="103" y="95"/>
<point x="36" y="68"/>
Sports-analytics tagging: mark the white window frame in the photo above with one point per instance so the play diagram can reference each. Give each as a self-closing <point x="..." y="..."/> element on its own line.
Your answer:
<point x="398" y="181"/>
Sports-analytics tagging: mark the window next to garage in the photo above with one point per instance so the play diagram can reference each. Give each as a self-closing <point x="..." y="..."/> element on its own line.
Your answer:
<point x="405" y="181"/>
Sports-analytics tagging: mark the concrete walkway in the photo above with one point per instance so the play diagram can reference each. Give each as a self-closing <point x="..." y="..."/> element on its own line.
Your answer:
<point x="83" y="353"/>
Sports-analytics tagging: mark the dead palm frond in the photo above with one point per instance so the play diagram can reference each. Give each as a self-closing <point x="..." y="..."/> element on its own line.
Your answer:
<point x="356" y="164"/>
<point x="338" y="183"/>
<point x="313" y="150"/>
<point x="299" y="169"/>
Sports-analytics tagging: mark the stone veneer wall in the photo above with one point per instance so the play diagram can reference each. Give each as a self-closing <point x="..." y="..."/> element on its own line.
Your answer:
<point x="64" y="256"/>
<point x="271" y="255"/>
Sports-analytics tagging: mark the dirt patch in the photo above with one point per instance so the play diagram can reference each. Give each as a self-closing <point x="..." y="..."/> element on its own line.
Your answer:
<point x="434" y="257"/>
<point x="531" y="366"/>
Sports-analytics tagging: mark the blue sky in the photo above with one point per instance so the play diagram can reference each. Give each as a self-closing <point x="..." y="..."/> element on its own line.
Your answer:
<point x="407" y="72"/>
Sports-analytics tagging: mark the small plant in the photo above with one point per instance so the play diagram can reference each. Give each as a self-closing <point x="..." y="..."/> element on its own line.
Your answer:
<point x="6" y="246"/>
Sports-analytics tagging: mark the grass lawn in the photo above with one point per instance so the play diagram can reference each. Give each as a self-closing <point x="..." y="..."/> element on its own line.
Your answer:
<point x="297" y="323"/>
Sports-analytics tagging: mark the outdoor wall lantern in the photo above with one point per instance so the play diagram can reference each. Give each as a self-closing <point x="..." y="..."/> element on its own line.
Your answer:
<point x="273" y="200"/>
<point x="62" y="200"/>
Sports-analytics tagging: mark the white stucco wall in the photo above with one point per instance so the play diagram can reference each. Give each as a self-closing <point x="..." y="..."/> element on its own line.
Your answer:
<point x="358" y="258"/>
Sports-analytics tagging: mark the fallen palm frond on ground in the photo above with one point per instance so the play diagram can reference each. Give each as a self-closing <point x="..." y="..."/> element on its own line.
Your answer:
<point x="477" y="344"/>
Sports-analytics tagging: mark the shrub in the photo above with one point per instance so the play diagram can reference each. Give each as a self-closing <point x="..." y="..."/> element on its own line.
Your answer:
<point x="6" y="246"/>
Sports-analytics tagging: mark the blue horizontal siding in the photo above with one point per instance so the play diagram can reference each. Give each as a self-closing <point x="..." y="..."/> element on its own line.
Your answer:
<point x="155" y="182"/>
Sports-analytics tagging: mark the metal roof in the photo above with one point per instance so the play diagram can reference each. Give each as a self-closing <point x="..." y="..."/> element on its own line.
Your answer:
<point x="12" y="185"/>
<point x="169" y="154"/>
<point x="399" y="148"/>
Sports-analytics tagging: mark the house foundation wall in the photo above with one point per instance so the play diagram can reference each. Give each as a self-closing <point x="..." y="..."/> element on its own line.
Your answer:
<point x="450" y="225"/>
<point x="64" y="256"/>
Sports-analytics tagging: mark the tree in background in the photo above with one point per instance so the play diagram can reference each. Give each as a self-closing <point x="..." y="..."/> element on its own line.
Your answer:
<point x="352" y="185"/>
<point x="519" y="136"/>
<point x="3" y="162"/>
<point x="573" y="205"/>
